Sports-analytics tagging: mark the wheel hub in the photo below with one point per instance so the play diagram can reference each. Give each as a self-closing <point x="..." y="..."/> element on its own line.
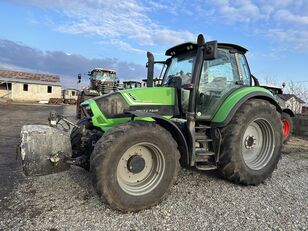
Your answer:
<point x="140" y="168"/>
<point x="250" y="142"/>
<point x="135" y="164"/>
<point x="258" y="143"/>
<point x="285" y="128"/>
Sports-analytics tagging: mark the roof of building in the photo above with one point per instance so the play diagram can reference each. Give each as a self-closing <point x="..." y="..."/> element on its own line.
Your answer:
<point x="27" y="77"/>
<point x="131" y="81"/>
<point x="154" y="79"/>
<point x="286" y="97"/>
<point x="70" y="89"/>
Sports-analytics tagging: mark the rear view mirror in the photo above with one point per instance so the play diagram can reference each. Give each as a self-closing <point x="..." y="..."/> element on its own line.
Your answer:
<point x="210" y="50"/>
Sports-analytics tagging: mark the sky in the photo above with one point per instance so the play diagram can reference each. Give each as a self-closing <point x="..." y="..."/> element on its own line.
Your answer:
<point x="70" y="37"/>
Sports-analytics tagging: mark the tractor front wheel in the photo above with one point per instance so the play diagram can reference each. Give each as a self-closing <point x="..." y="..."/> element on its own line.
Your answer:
<point x="134" y="164"/>
<point x="251" y="143"/>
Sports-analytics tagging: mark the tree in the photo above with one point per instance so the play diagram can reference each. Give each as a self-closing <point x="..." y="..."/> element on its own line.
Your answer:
<point x="299" y="89"/>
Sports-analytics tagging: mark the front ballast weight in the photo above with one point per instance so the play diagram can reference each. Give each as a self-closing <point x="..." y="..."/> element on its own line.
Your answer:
<point x="46" y="149"/>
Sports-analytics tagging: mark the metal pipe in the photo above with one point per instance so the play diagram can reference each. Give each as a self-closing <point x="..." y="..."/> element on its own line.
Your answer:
<point x="150" y="66"/>
<point x="196" y="75"/>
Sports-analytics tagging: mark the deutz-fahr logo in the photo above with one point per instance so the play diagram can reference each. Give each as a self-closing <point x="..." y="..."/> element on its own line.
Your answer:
<point x="148" y="110"/>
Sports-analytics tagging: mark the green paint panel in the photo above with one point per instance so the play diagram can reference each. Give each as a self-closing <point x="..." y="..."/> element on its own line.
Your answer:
<point x="149" y="96"/>
<point x="233" y="99"/>
<point x="134" y="97"/>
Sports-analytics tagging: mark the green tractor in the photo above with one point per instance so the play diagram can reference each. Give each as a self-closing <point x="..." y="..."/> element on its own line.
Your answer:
<point x="102" y="81"/>
<point x="208" y="114"/>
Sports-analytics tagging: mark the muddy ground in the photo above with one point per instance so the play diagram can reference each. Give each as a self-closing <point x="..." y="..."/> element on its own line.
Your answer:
<point x="199" y="201"/>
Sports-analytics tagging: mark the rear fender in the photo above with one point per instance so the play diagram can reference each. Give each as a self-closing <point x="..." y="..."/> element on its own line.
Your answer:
<point x="288" y="111"/>
<point x="233" y="102"/>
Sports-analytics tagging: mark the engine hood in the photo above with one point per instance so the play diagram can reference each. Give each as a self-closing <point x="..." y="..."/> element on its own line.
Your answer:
<point x="108" y="109"/>
<point x="149" y="96"/>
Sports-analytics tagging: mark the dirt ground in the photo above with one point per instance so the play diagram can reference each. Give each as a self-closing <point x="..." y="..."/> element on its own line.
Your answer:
<point x="12" y="117"/>
<point x="66" y="201"/>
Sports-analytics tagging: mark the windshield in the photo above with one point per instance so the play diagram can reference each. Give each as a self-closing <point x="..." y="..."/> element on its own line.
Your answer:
<point x="104" y="76"/>
<point x="180" y="66"/>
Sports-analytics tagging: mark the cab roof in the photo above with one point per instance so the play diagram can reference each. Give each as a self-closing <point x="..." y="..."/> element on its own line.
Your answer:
<point x="103" y="69"/>
<point x="192" y="46"/>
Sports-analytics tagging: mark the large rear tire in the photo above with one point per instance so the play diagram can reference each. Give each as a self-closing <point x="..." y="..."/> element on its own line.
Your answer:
<point x="134" y="165"/>
<point x="287" y="126"/>
<point x="251" y="143"/>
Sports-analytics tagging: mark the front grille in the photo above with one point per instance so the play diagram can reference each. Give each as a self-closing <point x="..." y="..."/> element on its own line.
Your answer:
<point x="107" y="87"/>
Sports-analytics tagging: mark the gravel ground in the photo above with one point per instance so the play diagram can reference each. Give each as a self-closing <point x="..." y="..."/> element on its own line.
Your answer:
<point x="198" y="201"/>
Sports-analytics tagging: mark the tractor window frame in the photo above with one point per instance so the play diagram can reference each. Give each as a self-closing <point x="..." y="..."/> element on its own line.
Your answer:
<point x="215" y="89"/>
<point x="177" y="61"/>
<point x="244" y="75"/>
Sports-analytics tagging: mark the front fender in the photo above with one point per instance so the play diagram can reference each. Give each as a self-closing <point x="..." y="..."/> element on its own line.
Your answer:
<point x="233" y="102"/>
<point x="170" y="126"/>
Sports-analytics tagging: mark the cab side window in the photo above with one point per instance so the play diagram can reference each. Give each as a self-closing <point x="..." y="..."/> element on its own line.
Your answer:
<point x="243" y="66"/>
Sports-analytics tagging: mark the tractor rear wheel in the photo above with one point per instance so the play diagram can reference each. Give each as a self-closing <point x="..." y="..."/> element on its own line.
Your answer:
<point x="134" y="165"/>
<point x="287" y="126"/>
<point x="251" y="143"/>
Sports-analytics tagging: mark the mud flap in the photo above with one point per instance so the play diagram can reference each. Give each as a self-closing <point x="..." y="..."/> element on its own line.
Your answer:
<point x="43" y="149"/>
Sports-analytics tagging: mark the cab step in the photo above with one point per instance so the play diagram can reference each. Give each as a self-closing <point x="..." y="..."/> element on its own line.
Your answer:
<point x="202" y="127"/>
<point x="204" y="152"/>
<point x="203" y="138"/>
<point x="205" y="167"/>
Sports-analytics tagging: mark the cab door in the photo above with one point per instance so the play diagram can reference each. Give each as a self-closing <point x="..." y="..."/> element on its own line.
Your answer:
<point x="218" y="79"/>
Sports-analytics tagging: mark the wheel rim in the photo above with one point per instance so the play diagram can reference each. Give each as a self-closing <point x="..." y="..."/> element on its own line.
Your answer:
<point x="285" y="128"/>
<point x="140" y="169"/>
<point x="258" y="144"/>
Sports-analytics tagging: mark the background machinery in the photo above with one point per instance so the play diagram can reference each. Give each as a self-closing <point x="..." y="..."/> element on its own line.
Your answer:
<point x="102" y="81"/>
<point x="287" y="114"/>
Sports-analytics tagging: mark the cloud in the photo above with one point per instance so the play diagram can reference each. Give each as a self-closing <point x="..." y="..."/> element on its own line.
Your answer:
<point x="123" y="45"/>
<point x="287" y="16"/>
<point x="21" y="57"/>
<point x="132" y="22"/>
<point x="297" y="38"/>
<point x="116" y="20"/>
<point x="236" y="11"/>
<point x="284" y="22"/>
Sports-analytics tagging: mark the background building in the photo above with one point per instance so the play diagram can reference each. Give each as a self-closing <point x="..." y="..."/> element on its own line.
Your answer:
<point x="157" y="82"/>
<point x="291" y="101"/>
<point x="70" y="95"/>
<point x="131" y="84"/>
<point x="29" y="87"/>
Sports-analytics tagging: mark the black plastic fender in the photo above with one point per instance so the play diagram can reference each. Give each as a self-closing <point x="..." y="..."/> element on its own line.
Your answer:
<point x="169" y="125"/>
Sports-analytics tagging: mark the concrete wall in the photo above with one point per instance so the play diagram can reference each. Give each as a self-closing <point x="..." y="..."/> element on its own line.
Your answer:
<point x="300" y="127"/>
<point x="36" y="92"/>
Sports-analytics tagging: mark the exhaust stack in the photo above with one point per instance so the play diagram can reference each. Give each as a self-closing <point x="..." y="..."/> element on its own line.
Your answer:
<point x="150" y="66"/>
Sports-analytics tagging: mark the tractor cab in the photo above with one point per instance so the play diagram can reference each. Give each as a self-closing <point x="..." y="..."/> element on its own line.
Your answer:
<point x="101" y="78"/>
<point x="218" y="77"/>
<point x="102" y="74"/>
